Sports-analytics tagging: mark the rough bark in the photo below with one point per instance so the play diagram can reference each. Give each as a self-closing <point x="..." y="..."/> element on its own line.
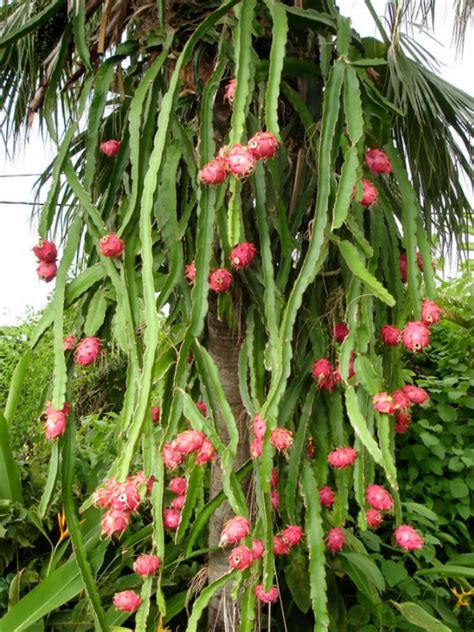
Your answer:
<point x="224" y="346"/>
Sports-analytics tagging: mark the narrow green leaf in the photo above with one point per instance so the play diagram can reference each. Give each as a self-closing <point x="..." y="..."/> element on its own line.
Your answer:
<point x="359" y="425"/>
<point x="95" y="313"/>
<point x="16" y="386"/>
<point x="204" y="598"/>
<point x="356" y="264"/>
<point x="317" y="549"/>
<point x="277" y="56"/>
<point x="448" y="570"/>
<point x="31" y="25"/>
<point x="194" y="488"/>
<point x="345" y="187"/>
<point x="50" y="484"/>
<point x="10" y="483"/>
<point x="417" y="615"/>
<point x="80" y="40"/>
<point x="353" y="105"/>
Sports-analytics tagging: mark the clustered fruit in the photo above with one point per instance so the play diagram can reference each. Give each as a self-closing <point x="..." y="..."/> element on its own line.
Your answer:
<point x="146" y="565"/>
<point x="280" y="438"/>
<point x="47" y="254"/>
<point x="399" y="404"/>
<point x="415" y="336"/>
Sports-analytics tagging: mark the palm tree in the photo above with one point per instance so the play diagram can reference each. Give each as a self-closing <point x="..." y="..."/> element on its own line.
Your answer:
<point x="153" y="76"/>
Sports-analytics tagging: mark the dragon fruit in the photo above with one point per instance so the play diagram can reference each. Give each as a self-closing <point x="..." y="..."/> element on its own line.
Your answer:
<point x="407" y="538"/>
<point x="415" y="336"/>
<point x="342" y="457"/>
<point x="234" y="530"/>
<point x="241" y="558"/>
<point x="266" y="597"/>
<point x="391" y="335"/>
<point x="127" y="600"/>
<point x="415" y="394"/>
<point x="213" y="172"/>
<point x="110" y="148"/>
<point x="220" y="280"/>
<point x="335" y="539"/>
<point x="146" y="565"/>
<point x="46" y="251"/>
<point x="281" y="439"/>
<point x="111" y="246"/>
<point x="242" y="255"/>
<point x="378" y="497"/>
<point x="430" y="313"/>
<point x="326" y="496"/>
<point x="263" y="145"/>
<point x="240" y="161"/>
<point x="383" y="403"/>
<point x="47" y="271"/>
<point x="369" y="193"/>
<point x="377" y="161"/>
<point x="87" y="351"/>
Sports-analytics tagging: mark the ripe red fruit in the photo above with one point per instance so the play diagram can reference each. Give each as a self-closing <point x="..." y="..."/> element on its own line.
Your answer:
<point x="374" y="518"/>
<point x="188" y="441"/>
<point x="234" y="530"/>
<point x="322" y="372"/>
<point x="178" y="485"/>
<point x="378" y="497"/>
<point x="202" y="408"/>
<point x="69" y="343"/>
<point x="292" y="535"/>
<point x="391" y="335"/>
<point x="263" y="145"/>
<point x="279" y="546"/>
<point x="369" y="193"/>
<point x="403" y="265"/>
<point x="87" y="351"/>
<point x="384" y="403"/>
<point x="241" y="558"/>
<point x="335" y="539"/>
<point x="111" y="246"/>
<point x="340" y="332"/>
<point x="114" y="522"/>
<point x="240" y="161"/>
<point x="230" y="90"/>
<point x="110" y="148"/>
<point x="310" y="448"/>
<point x="155" y="414"/>
<point x="47" y="271"/>
<point x="125" y="497"/>
<point x="127" y="601"/>
<point x="171" y="457"/>
<point x="401" y="399"/>
<point x="281" y="439"/>
<point x="415" y="394"/>
<point x="213" y="172"/>
<point x="266" y="597"/>
<point x="190" y="272"/>
<point x="377" y="161"/>
<point x="259" y="426"/>
<point x="430" y="313"/>
<point x="402" y="422"/>
<point x="55" y="424"/>
<point x="342" y="457"/>
<point x="275" y="499"/>
<point x="415" y="336"/>
<point x="256" y="447"/>
<point x="146" y="565"/>
<point x="46" y="251"/>
<point x="178" y="502"/>
<point x="274" y="478"/>
<point x="407" y="538"/>
<point x="171" y="518"/>
<point x="206" y="453"/>
<point x="242" y="256"/>
<point x="257" y="549"/>
<point x="220" y="280"/>
<point x="326" y="496"/>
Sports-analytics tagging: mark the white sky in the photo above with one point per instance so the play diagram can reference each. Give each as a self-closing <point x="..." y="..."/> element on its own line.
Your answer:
<point x="20" y="289"/>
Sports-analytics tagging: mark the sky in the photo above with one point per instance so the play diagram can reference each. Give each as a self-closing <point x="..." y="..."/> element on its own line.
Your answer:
<point x="20" y="289"/>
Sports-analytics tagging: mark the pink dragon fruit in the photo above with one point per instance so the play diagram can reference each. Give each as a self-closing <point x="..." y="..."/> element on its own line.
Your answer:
<point x="206" y="453"/>
<point x="69" y="343"/>
<point x="404" y="265"/>
<point x="241" y="558"/>
<point x="383" y="402"/>
<point x="46" y="251"/>
<point x="369" y="193"/>
<point x="342" y="457"/>
<point x="263" y="145"/>
<point x="47" y="271"/>
<point x="188" y="441"/>
<point x="378" y="497"/>
<point x="326" y="496"/>
<point x="202" y="408"/>
<point x="257" y="549"/>
<point x="292" y="535"/>
<point x="190" y="272"/>
<point x="391" y="335"/>
<point x="281" y="439"/>
<point x="55" y="424"/>
<point x="114" y="522"/>
<point x="220" y="280"/>
<point x="146" y="565"/>
<point x="214" y="172"/>
<point x="279" y="546"/>
<point x="415" y="394"/>
<point x="274" y="478"/>
<point x="374" y="518"/>
<point x="259" y="426"/>
<point x="230" y="88"/>
<point x="127" y="601"/>
<point x="125" y="497"/>
<point x="234" y="530"/>
<point x="377" y="161"/>
<point x="310" y="448"/>
<point x="178" y="503"/>
<point x="415" y="336"/>
<point x="335" y="539"/>
<point x="402" y="422"/>
<point x="242" y="255"/>
<point x="256" y="447"/>
<point x="110" y="148"/>
<point x="275" y="499"/>
<point x="401" y="399"/>
<point x="430" y="313"/>
<point x="171" y="457"/>
<point x="266" y="597"/>
<point x="171" y="518"/>
<point x="322" y="372"/>
<point x="407" y="538"/>
<point x="340" y="332"/>
<point x="87" y="351"/>
<point x="178" y="485"/>
<point x="155" y="414"/>
<point x="111" y="246"/>
<point x="240" y="161"/>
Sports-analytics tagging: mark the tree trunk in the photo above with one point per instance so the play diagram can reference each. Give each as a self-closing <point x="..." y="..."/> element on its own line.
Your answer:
<point x="224" y="346"/>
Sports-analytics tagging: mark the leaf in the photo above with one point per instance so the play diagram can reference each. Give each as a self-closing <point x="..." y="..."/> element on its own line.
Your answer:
<point x="277" y="57"/>
<point x="359" y="425"/>
<point x="204" y="598"/>
<point x="353" y="105"/>
<point x="296" y="574"/>
<point x="10" y="482"/>
<point x="367" y="375"/>
<point x="418" y="616"/>
<point x="448" y="570"/>
<point x="394" y="572"/>
<point x="367" y="567"/>
<point x="317" y="550"/>
<point x="96" y="313"/>
<point x="50" y="481"/>
<point x="31" y="25"/>
<point x="356" y="264"/>
<point x="195" y="484"/>
<point x="345" y="187"/>
<point x="16" y="387"/>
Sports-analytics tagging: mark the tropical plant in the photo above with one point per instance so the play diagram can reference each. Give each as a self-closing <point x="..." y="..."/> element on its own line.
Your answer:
<point x="133" y="93"/>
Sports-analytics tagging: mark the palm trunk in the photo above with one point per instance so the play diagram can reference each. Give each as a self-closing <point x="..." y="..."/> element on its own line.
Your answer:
<point x="224" y="347"/>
